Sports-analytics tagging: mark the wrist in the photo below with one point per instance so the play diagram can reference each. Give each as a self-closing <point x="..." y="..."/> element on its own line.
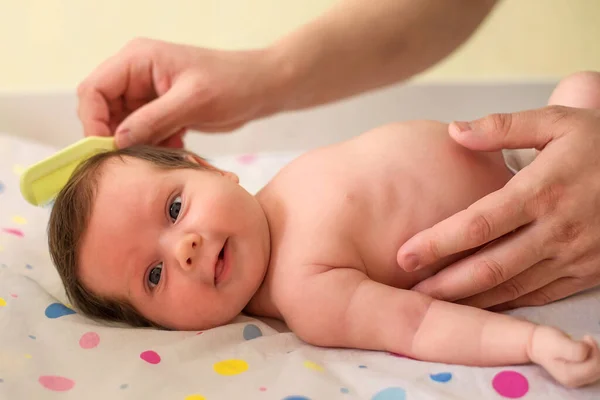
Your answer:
<point x="280" y="77"/>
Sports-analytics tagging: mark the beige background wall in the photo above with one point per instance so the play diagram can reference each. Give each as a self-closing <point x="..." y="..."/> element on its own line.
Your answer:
<point x="53" y="44"/>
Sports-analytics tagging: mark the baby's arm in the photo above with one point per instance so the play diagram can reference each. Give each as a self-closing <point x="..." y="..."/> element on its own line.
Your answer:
<point x="344" y="308"/>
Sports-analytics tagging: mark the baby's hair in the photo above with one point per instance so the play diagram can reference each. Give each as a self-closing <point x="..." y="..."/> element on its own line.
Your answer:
<point x="69" y="218"/>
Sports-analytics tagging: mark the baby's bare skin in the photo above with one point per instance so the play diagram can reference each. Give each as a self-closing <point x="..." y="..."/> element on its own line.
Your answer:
<point x="352" y="205"/>
<point x="337" y="217"/>
<point x="316" y="248"/>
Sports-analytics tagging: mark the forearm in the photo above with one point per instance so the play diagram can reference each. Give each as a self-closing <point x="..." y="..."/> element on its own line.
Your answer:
<point x="360" y="45"/>
<point x="459" y="334"/>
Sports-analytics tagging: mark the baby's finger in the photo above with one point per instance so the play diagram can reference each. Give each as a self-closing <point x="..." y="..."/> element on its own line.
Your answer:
<point x="487" y="219"/>
<point x="488" y="268"/>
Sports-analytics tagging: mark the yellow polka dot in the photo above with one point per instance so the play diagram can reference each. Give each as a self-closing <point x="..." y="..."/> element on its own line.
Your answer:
<point x="1" y="248"/>
<point x="2" y="302"/>
<point x="195" y="397"/>
<point x="17" y="219"/>
<point x="27" y="355"/>
<point x="314" y="366"/>
<point x="18" y="169"/>
<point x="230" y="367"/>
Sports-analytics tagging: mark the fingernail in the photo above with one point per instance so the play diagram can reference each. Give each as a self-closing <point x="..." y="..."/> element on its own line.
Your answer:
<point x="462" y="126"/>
<point x="411" y="262"/>
<point x="123" y="138"/>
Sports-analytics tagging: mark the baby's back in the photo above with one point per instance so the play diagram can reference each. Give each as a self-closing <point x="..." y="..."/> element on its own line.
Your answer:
<point x="352" y="205"/>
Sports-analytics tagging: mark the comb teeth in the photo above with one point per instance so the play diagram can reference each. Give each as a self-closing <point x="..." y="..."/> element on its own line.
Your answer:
<point x="41" y="182"/>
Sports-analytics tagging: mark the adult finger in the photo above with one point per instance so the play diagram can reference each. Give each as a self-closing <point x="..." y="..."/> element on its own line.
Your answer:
<point x="107" y="83"/>
<point x="525" y="129"/>
<point x="489" y="267"/>
<point x="157" y="120"/>
<point x="533" y="278"/>
<point x="556" y="290"/>
<point x="487" y="219"/>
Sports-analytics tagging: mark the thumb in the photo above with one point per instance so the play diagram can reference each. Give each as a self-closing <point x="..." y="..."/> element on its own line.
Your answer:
<point x="520" y="130"/>
<point x="155" y="121"/>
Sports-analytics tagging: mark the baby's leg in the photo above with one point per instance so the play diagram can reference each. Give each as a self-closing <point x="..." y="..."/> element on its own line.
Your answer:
<point x="580" y="90"/>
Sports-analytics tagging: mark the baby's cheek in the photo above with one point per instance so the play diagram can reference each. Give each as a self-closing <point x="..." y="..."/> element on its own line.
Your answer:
<point x="190" y="307"/>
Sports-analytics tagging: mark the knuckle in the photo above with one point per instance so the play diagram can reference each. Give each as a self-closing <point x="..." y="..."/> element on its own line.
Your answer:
<point x="566" y="232"/>
<point x="546" y="199"/>
<point x="488" y="273"/>
<point x="500" y="122"/>
<point x="83" y="88"/>
<point x="514" y="289"/>
<point x="556" y="113"/>
<point x="434" y="249"/>
<point x="137" y="42"/>
<point x="479" y="229"/>
<point x="541" y="298"/>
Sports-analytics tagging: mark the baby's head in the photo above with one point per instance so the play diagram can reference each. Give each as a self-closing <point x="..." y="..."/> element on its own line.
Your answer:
<point x="158" y="237"/>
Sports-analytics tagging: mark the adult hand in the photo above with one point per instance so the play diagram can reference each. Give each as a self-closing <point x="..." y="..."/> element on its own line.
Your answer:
<point x="152" y="91"/>
<point x="540" y="233"/>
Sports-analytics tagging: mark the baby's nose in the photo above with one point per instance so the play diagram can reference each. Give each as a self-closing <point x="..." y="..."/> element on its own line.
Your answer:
<point x="187" y="251"/>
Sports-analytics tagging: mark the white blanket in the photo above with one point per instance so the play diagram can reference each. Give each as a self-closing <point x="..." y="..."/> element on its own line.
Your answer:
<point x="47" y="351"/>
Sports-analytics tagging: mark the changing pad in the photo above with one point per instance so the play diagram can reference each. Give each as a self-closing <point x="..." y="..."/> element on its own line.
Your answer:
<point x="48" y="351"/>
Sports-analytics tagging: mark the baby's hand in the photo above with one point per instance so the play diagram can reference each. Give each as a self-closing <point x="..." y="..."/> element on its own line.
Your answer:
<point x="571" y="362"/>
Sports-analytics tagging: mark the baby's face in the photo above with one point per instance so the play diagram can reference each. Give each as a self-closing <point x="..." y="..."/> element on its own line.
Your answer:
<point x="186" y="248"/>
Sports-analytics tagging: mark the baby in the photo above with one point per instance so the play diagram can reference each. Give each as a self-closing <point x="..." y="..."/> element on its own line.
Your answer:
<point x="158" y="237"/>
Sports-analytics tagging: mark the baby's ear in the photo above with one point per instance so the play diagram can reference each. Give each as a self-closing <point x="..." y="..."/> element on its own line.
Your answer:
<point x="200" y="161"/>
<point x="230" y="175"/>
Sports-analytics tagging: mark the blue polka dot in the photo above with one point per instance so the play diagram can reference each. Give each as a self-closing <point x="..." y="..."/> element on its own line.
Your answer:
<point x="29" y="266"/>
<point x="1" y="380"/>
<point x="344" y="390"/>
<point x="4" y="266"/>
<point x="362" y="366"/>
<point x="31" y="337"/>
<point x="56" y="310"/>
<point x="251" y="331"/>
<point x="124" y="386"/>
<point x="1" y="187"/>
<point x="441" y="377"/>
<point x="296" y="398"/>
<point x="391" y="393"/>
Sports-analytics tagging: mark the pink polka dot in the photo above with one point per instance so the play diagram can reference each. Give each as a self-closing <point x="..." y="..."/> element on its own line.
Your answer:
<point x="89" y="340"/>
<point x="510" y="384"/>
<point x="16" y="232"/>
<point x="262" y="389"/>
<point x="14" y="296"/>
<point x="246" y="159"/>
<point x="150" y="357"/>
<point x="56" y="383"/>
<point x="199" y="333"/>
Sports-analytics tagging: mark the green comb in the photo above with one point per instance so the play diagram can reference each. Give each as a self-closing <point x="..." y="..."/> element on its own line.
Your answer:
<point x="41" y="182"/>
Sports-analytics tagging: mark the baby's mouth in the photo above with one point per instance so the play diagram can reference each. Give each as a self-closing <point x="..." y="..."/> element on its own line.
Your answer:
<point x="220" y="265"/>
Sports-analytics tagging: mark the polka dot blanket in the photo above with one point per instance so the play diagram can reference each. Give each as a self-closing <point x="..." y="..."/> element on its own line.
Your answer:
<point x="49" y="351"/>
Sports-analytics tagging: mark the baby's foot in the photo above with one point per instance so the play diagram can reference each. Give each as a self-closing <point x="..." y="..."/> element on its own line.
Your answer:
<point x="571" y="362"/>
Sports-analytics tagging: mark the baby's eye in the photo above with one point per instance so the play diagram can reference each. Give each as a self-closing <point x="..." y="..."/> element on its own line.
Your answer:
<point x="174" y="208"/>
<point x="154" y="276"/>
